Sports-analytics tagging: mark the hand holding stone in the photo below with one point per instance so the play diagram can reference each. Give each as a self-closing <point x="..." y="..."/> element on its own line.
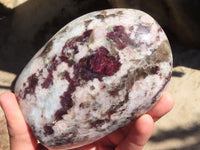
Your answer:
<point x="96" y="75"/>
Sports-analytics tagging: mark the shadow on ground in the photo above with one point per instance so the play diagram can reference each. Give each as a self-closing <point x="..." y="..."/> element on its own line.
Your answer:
<point x="26" y="28"/>
<point x="179" y="134"/>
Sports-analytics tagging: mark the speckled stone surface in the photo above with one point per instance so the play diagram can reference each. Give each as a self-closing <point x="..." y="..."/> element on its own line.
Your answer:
<point x="97" y="74"/>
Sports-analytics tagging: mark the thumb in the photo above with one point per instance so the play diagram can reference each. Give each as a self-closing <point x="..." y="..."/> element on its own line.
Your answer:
<point x="138" y="135"/>
<point x="20" y="134"/>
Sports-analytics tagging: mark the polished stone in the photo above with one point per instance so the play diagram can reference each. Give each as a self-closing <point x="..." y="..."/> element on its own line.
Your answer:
<point x="97" y="74"/>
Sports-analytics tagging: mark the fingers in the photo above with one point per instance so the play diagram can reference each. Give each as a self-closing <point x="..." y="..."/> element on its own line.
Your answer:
<point x="138" y="135"/>
<point x="116" y="137"/>
<point x="12" y="113"/>
<point x="20" y="135"/>
<point x="142" y="129"/>
<point x="22" y="138"/>
<point x="164" y="105"/>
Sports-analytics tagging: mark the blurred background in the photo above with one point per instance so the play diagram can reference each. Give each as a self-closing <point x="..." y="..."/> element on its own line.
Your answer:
<point x="26" y="25"/>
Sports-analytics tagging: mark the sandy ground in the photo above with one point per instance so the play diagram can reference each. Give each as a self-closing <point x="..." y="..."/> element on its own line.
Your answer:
<point x="180" y="129"/>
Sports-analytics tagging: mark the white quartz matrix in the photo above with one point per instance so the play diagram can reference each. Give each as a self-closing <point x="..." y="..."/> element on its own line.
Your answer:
<point x="97" y="74"/>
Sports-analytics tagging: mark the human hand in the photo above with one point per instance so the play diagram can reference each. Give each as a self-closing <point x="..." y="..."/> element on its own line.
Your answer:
<point x="131" y="137"/>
